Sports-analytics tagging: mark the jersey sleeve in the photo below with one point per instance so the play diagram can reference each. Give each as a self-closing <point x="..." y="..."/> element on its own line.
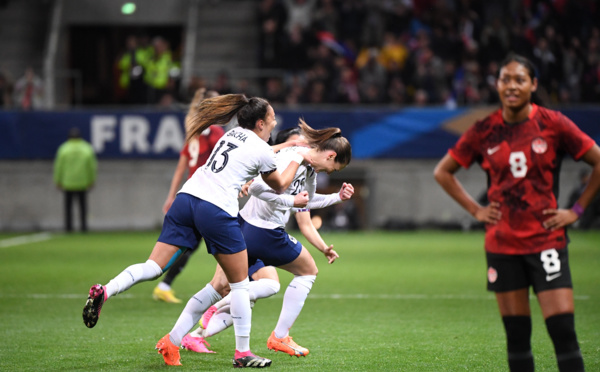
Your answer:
<point x="573" y="140"/>
<point x="262" y="191"/>
<point x="323" y="200"/>
<point x="267" y="160"/>
<point x="465" y="151"/>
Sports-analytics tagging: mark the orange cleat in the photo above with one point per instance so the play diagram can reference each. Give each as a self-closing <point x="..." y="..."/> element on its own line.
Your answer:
<point x="169" y="351"/>
<point x="287" y="345"/>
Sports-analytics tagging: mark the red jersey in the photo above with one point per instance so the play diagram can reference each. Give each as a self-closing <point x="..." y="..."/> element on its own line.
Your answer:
<point x="199" y="148"/>
<point x="522" y="162"/>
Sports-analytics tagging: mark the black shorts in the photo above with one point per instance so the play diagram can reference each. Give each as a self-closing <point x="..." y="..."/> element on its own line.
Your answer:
<point x="543" y="271"/>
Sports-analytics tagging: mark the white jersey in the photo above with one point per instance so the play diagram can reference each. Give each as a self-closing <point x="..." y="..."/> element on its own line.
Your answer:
<point x="240" y="156"/>
<point x="270" y="215"/>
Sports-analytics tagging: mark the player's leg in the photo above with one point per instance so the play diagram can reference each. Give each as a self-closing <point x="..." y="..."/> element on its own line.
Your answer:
<point x="178" y="231"/>
<point x="236" y="270"/>
<point x="68" y="211"/>
<point x="225" y="241"/>
<point x="507" y="277"/>
<point x="558" y="309"/>
<point x="82" y="196"/>
<point x="265" y="283"/>
<point x="149" y="270"/>
<point x="305" y="272"/>
<point x="163" y="291"/>
<point x="553" y="286"/>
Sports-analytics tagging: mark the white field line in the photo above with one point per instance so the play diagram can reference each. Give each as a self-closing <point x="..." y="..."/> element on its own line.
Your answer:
<point x="42" y="296"/>
<point x="25" y="239"/>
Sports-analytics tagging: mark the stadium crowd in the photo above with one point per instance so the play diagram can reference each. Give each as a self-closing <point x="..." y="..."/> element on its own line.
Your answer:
<point x="424" y="52"/>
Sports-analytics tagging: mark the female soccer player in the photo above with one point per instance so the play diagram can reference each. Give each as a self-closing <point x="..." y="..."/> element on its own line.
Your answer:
<point x="193" y="155"/>
<point x="263" y="229"/>
<point x="207" y="206"/>
<point x="520" y="147"/>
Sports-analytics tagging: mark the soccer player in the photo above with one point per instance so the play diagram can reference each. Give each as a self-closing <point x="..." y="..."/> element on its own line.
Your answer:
<point x="520" y="147"/>
<point x="193" y="155"/>
<point x="207" y="206"/>
<point x="266" y="282"/>
<point x="263" y="229"/>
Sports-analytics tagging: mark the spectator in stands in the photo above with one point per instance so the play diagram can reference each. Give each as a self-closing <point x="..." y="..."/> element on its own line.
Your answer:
<point x="272" y="17"/>
<point x="132" y="65"/>
<point x="5" y="92"/>
<point x="158" y="70"/>
<point x="300" y="14"/>
<point x="75" y="169"/>
<point x="468" y="36"/>
<point x="29" y="91"/>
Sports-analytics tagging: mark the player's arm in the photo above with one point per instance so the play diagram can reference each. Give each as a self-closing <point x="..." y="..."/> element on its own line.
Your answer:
<point x="444" y="175"/>
<point x="563" y="217"/>
<point x="326" y="200"/>
<point x="312" y="235"/>
<point x="175" y="182"/>
<point x="263" y="192"/>
<point x="281" y="181"/>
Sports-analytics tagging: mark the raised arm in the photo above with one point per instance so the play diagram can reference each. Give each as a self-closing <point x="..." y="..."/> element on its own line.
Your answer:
<point x="281" y="181"/>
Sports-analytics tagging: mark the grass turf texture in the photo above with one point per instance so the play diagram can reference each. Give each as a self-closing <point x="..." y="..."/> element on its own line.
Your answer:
<point x="407" y="301"/>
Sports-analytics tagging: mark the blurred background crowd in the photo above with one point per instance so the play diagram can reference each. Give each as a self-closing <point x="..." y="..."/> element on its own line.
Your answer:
<point x="426" y="51"/>
<point x="399" y="52"/>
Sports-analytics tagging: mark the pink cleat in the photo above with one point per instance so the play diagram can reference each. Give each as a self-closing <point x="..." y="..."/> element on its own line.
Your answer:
<point x="207" y="315"/>
<point x="93" y="305"/>
<point x="197" y="344"/>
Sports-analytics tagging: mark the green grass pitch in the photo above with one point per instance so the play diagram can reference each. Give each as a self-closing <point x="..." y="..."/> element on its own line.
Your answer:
<point x="394" y="301"/>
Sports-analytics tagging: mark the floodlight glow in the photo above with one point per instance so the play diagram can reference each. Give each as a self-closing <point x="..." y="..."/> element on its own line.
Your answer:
<point x="128" y="8"/>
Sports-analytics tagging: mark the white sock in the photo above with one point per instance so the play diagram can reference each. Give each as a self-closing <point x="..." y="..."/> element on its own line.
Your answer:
<point x="141" y="272"/>
<point x="164" y="286"/>
<point x="219" y="322"/>
<point x="263" y="288"/>
<point x="293" y="301"/>
<point x="192" y="312"/>
<point x="241" y="314"/>
<point x="257" y="289"/>
<point x="198" y="332"/>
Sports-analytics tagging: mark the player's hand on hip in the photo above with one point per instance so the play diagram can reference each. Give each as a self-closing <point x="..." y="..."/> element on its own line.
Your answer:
<point x="301" y="199"/>
<point x="559" y="218"/>
<point x="489" y="214"/>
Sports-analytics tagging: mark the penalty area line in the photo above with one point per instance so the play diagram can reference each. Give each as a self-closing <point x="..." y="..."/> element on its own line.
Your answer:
<point x="25" y="239"/>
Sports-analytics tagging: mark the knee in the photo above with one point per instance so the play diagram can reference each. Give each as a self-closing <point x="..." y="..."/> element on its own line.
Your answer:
<point x="272" y="285"/>
<point x="222" y="287"/>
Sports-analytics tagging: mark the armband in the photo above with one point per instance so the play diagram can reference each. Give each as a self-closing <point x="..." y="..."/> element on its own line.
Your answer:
<point x="578" y="209"/>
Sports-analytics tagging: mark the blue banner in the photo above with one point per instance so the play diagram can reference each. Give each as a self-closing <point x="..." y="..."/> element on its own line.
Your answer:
<point x="407" y="133"/>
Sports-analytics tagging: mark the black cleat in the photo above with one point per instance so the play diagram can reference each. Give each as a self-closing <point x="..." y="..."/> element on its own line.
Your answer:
<point x="93" y="305"/>
<point x="251" y="361"/>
